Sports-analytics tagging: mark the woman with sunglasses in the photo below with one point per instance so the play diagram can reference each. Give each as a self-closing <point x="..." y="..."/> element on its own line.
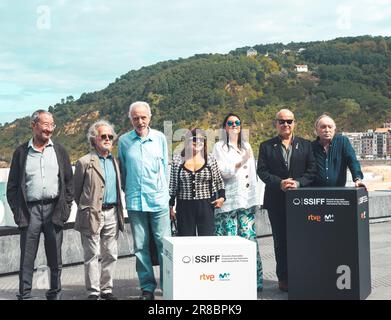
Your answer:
<point x="197" y="186"/>
<point x="237" y="164"/>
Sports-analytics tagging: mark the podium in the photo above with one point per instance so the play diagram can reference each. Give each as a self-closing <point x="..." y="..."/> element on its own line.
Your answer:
<point x="328" y="243"/>
<point x="209" y="268"/>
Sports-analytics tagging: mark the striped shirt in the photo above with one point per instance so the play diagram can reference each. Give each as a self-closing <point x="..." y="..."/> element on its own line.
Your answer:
<point x="204" y="183"/>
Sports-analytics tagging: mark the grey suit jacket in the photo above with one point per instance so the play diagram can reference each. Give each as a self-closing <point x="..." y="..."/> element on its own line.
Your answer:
<point x="89" y="191"/>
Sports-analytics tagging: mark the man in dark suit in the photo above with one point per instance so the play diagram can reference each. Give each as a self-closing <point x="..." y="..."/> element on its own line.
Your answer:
<point x="40" y="195"/>
<point x="284" y="162"/>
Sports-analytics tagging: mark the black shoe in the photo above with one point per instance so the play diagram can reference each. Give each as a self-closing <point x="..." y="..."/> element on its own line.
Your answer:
<point x="108" y="296"/>
<point x="24" y="297"/>
<point x="147" y="295"/>
<point x="93" y="297"/>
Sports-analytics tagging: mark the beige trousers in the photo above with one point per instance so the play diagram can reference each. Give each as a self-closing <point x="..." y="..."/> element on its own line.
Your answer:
<point x="103" y="245"/>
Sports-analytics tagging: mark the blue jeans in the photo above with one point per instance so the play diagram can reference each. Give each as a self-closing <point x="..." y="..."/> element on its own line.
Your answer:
<point x="160" y="226"/>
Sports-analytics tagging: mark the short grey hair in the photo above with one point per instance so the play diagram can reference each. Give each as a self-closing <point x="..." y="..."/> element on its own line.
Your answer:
<point x="138" y="104"/>
<point x="36" y="114"/>
<point x="324" y="115"/>
<point x="93" y="131"/>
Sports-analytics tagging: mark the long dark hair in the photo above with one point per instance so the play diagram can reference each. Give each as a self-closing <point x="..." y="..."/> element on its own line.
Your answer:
<point x="226" y="134"/>
<point x="187" y="150"/>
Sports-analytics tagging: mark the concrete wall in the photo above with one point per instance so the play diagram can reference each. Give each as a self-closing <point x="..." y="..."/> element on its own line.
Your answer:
<point x="72" y="250"/>
<point x="379" y="207"/>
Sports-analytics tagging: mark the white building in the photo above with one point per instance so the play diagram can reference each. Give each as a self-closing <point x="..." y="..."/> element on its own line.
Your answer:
<point x="301" y="68"/>
<point x="355" y="141"/>
<point x="251" y="52"/>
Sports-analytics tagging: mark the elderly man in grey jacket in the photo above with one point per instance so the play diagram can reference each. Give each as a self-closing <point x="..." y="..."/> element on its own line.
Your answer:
<point x="100" y="212"/>
<point x="40" y="194"/>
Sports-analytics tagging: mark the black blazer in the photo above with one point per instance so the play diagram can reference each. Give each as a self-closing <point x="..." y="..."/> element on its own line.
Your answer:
<point x="272" y="169"/>
<point x="16" y="186"/>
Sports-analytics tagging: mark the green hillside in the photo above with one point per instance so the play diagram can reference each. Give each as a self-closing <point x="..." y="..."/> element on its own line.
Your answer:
<point x="348" y="77"/>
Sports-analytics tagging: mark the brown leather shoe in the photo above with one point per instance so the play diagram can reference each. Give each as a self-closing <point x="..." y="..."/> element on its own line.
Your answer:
<point x="283" y="286"/>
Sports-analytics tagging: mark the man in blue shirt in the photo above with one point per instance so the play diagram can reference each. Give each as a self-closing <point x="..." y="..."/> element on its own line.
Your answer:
<point x="334" y="154"/>
<point x="143" y="160"/>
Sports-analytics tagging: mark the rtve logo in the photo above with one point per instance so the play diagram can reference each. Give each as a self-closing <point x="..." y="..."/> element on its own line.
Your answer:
<point x="207" y="277"/>
<point x="313" y="217"/>
<point x="309" y="201"/>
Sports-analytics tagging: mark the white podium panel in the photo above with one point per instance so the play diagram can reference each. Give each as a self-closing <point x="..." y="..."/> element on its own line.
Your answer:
<point x="209" y="268"/>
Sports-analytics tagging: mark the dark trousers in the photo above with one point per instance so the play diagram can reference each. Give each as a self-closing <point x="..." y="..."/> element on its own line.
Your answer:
<point x="277" y="219"/>
<point x="40" y="221"/>
<point x="195" y="217"/>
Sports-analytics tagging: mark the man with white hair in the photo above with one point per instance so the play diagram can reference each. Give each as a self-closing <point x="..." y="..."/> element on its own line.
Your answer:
<point x="143" y="159"/>
<point x="100" y="212"/>
<point x="334" y="154"/>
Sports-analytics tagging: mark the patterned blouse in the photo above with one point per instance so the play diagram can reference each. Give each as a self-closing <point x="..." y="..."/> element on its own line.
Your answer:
<point x="201" y="184"/>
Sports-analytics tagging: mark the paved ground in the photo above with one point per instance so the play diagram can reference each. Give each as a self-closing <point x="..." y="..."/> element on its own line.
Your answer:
<point x="126" y="283"/>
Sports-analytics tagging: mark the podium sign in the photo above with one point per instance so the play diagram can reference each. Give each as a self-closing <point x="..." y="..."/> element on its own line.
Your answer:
<point x="328" y="243"/>
<point x="209" y="268"/>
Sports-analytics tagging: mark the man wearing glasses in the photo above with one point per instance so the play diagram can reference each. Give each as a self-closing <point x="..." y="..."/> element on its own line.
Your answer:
<point x="284" y="162"/>
<point x="100" y="213"/>
<point x="40" y="194"/>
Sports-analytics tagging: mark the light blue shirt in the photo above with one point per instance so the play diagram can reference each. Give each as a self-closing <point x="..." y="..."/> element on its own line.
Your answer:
<point x="143" y="164"/>
<point x="107" y="165"/>
<point x="42" y="169"/>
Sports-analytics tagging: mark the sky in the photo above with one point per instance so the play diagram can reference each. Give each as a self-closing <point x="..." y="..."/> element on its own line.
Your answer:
<point x="51" y="49"/>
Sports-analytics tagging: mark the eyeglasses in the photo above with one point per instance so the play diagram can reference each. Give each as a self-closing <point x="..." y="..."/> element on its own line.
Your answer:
<point x="283" y="121"/>
<point x="231" y="123"/>
<point x="47" y="125"/>
<point x="107" y="136"/>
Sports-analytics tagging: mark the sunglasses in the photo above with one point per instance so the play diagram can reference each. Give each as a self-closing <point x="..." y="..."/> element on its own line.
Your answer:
<point x="282" y="121"/>
<point x="107" y="136"/>
<point x="197" y="140"/>
<point x="231" y="123"/>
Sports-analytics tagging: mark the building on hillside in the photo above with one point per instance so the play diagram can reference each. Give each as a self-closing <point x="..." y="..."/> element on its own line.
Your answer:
<point x="251" y="52"/>
<point x="301" y="68"/>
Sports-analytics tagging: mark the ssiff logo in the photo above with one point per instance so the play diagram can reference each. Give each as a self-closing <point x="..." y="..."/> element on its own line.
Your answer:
<point x="362" y="199"/>
<point x="309" y="201"/>
<point x="363" y="215"/>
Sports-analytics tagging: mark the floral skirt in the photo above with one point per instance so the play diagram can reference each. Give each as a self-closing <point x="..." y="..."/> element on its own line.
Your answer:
<point x="240" y="222"/>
